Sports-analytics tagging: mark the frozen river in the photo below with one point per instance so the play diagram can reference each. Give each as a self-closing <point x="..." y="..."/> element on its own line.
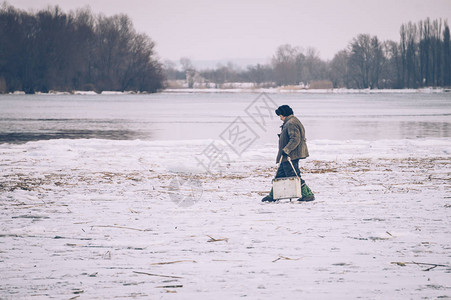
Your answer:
<point x="115" y="197"/>
<point x="204" y="116"/>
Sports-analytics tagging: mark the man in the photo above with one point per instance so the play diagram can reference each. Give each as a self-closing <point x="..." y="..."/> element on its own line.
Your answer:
<point x="292" y="143"/>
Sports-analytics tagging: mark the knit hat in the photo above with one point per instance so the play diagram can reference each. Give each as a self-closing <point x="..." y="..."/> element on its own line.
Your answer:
<point x="284" y="110"/>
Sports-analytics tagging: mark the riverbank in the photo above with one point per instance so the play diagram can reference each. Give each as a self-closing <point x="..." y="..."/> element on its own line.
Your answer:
<point x="278" y="90"/>
<point x="283" y="90"/>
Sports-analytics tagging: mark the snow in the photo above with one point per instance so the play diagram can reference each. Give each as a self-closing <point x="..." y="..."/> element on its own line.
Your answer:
<point x="247" y="87"/>
<point x="117" y="93"/>
<point x="291" y="90"/>
<point x="103" y="219"/>
<point x="84" y="93"/>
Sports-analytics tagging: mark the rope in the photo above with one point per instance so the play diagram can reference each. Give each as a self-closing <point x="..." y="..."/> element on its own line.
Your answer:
<point x="289" y="160"/>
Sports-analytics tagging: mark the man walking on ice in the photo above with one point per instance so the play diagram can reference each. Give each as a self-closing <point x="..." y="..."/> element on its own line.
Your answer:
<point x="292" y="144"/>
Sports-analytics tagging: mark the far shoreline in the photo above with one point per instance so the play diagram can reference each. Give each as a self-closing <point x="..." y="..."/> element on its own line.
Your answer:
<point x="282" y="90"/>
<point x="278" y="90"/>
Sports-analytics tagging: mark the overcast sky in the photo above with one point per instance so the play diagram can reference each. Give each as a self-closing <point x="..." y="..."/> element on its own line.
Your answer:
<point x="232" y="29"/>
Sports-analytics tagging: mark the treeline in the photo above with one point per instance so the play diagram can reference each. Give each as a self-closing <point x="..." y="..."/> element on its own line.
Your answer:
<point x="53" y="50"/>
<point x="422" y="58"/>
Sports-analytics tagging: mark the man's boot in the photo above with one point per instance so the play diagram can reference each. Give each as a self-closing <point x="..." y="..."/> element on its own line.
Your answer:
<point x="268" y="198"/>
<point x="307" y="194"/>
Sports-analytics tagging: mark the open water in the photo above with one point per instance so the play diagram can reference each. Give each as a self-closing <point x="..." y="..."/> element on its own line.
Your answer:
<point x="190" y="116"/>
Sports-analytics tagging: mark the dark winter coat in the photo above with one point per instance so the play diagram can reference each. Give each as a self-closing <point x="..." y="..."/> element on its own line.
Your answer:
<point x="292" y="139"/>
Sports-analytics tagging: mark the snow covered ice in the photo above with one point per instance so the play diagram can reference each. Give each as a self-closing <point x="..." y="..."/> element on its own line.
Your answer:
<point x="94" y="219"/>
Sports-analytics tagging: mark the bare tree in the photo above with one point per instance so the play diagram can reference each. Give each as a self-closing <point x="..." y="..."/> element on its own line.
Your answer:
<point x="392" y="69"/>
<point x="190" y="72"/>
<point x="339" y="70"/>
<point x="446" y="57"/>
<point x="284" y="64"/>
<point x="359" y="61"/>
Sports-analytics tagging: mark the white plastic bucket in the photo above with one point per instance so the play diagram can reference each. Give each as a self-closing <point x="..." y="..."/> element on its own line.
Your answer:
<point x="286" y="188"/>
